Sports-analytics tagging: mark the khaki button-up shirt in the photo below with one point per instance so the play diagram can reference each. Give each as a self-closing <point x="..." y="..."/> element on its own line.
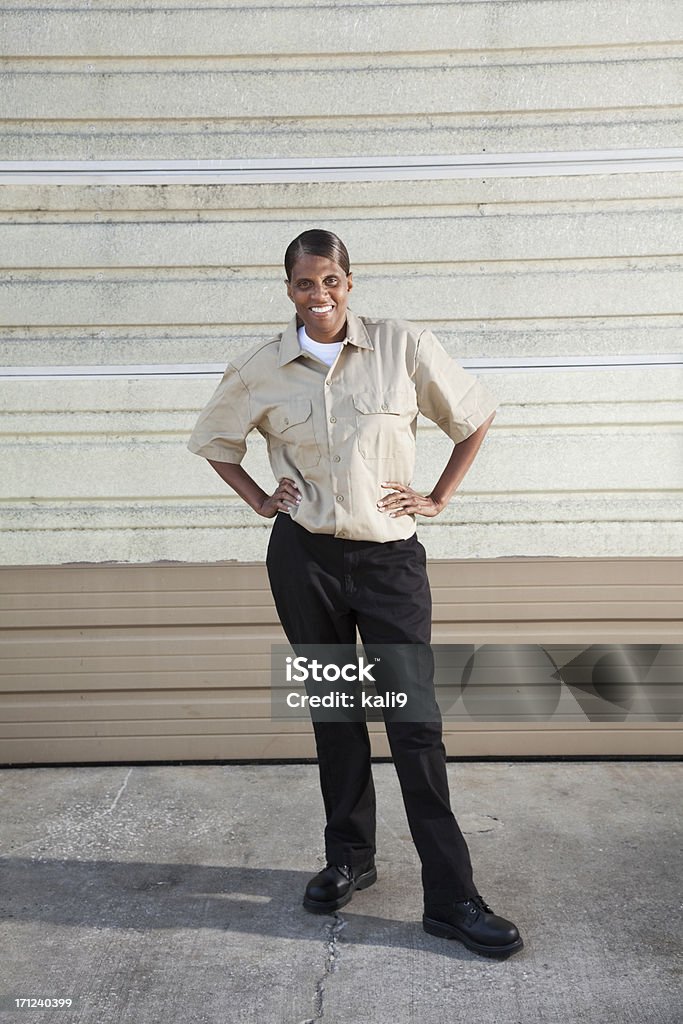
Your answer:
<point x="340" y="432"/>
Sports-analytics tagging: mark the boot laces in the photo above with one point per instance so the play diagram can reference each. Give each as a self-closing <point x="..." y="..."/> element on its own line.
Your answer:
<point x="477" y="903"/>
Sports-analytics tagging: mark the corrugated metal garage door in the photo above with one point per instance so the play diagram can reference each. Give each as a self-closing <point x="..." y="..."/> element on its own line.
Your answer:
<point x="129" y="663"/>
<point x="535" y="227"/>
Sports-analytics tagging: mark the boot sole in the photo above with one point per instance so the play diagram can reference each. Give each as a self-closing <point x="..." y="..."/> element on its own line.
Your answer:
<point x="329" y="906"/>
<point x="448" y="931"/>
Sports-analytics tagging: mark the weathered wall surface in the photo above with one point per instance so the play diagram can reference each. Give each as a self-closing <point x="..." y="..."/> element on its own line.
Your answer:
<point x="172" y="278"/>
<point x="582" y="461"/>
<point x="189" y="78"/>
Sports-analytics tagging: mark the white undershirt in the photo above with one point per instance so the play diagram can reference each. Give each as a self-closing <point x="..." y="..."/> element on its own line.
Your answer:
<point x="327" y="352"/>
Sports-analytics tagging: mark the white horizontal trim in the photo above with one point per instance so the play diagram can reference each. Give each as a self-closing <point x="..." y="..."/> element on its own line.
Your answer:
<point x="476" y="365"/>
<point x="379" y="168"/>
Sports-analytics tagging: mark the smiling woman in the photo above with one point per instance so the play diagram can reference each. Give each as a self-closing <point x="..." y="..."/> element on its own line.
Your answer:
<point x="319" y="284"/>
<point x="337" y="397"/>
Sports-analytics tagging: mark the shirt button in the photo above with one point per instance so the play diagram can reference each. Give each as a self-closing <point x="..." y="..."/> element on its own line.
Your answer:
<point x="328" y="382"/>
<point x="333" y="419"/>
<point x="384" y="408"/>
<point x="286" y="421"/>
<point x="337" y="458"/>
<point x="340" y="497"/>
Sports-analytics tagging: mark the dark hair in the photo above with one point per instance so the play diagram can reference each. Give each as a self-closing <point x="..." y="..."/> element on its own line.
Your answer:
<point x="316" y="243"/>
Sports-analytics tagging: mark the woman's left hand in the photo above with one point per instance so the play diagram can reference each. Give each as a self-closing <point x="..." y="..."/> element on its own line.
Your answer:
<point x="404" y="501"/>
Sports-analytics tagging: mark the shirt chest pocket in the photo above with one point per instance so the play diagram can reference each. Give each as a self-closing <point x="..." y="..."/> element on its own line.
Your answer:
<point x="291" y="425"/>
<point x="385" y="422"/>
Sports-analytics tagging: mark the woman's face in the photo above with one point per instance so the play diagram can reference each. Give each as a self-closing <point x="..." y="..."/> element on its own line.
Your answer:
<point x="319" y="289"/>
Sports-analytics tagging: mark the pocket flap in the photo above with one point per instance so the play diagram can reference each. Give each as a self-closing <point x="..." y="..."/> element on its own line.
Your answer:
<point x="296" y="411"/>
<point x="392" y="400"/>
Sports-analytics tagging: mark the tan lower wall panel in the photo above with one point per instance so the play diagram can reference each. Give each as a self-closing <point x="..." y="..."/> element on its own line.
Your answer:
<point x="259" y="606"/>
<point x="137" y="615"/>
<point x="563" y="573"/>
<point x="185" y="682"/>
<point x="222" y="725"/>
<point x="153" y="748"/>
<point x="611" y="742"/>
<point x="586" y="631"/>
<point x="225" y="577"/>
<point x="589" y="741"/>
<point x="143" y="706"/>
<point x="94" y="678"/>
<point x="502" y="611"/>
<point x="163" y="673"/>
<point x="236" y="578"/>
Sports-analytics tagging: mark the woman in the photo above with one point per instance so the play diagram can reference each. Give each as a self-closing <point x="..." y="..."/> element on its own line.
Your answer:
<point x="336" y="397"/>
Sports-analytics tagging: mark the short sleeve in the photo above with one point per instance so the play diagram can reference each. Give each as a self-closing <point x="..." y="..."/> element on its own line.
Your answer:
<point x="224" y="423"/>
<point x="447" y="394"/>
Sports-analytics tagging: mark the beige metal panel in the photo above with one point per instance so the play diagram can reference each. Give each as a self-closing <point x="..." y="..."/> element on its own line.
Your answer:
<point x="506" y="608"/>
<point x="247" y="82"/>
<point x="297" y="86"/>
<point x="438" y="234"/>
<point x="81" y="690"/>
<point x="615" y="742"/>
<point x="537" y="534"/>
<point x="146" y="469"/>
<point x="538" y="288"/>
<point x="136" y="405"/>
<point x="147" y="423"/>
<point x="145" y="748"/>
<point x="496" y="218"/>
<point x="121" y="484"/>
<point x="228" y="579"/>
<point x="221" y="138"/>
<point x="333" y="200"/>
<point x="189" y="585"/>
<point x="176" y="28"/>
<point x="516" y="576"/>
<point x="26" y="346"/>
<point x="130" y="706"/>
<point x="579" y="608"/>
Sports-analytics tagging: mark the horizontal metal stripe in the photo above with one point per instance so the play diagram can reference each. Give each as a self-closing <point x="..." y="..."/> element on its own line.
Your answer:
<point x="606" y="362"/>
<point x="383" y="168"/>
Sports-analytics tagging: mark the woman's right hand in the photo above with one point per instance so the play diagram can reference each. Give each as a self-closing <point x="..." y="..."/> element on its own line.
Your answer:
<point x="285" y="497"/>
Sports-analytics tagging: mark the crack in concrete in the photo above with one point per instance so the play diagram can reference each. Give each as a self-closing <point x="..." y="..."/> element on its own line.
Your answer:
<point x="110" y="810"/>
<point x="58" y="831"/>
<point x="332" y="958"/>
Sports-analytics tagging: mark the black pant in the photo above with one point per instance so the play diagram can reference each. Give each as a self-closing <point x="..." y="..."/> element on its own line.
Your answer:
<point x="324" y="587"/>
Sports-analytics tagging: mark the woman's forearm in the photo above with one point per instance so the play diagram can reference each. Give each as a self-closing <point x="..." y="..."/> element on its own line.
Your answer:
<point x="461" y="459"/>
<point x="240" y="481"/>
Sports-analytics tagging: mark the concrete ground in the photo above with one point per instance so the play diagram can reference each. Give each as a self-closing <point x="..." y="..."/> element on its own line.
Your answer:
<point x="173" y="894"/>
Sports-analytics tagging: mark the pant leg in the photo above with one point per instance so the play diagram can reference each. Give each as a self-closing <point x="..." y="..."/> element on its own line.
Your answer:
<point x="307" y="582"/>
<point x="392" y="600"/>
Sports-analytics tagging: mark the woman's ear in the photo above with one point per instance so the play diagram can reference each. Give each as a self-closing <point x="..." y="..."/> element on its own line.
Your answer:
<point x="349" y="281"/>
<point x="289" y="290"/>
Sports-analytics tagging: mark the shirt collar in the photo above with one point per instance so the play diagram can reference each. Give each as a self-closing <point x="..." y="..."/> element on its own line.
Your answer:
<point x="290" y="348"/>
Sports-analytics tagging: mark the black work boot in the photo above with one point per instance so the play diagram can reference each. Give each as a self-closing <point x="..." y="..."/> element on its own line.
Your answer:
<point x="333" y="887"/>
<point x="474" y="924"/>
